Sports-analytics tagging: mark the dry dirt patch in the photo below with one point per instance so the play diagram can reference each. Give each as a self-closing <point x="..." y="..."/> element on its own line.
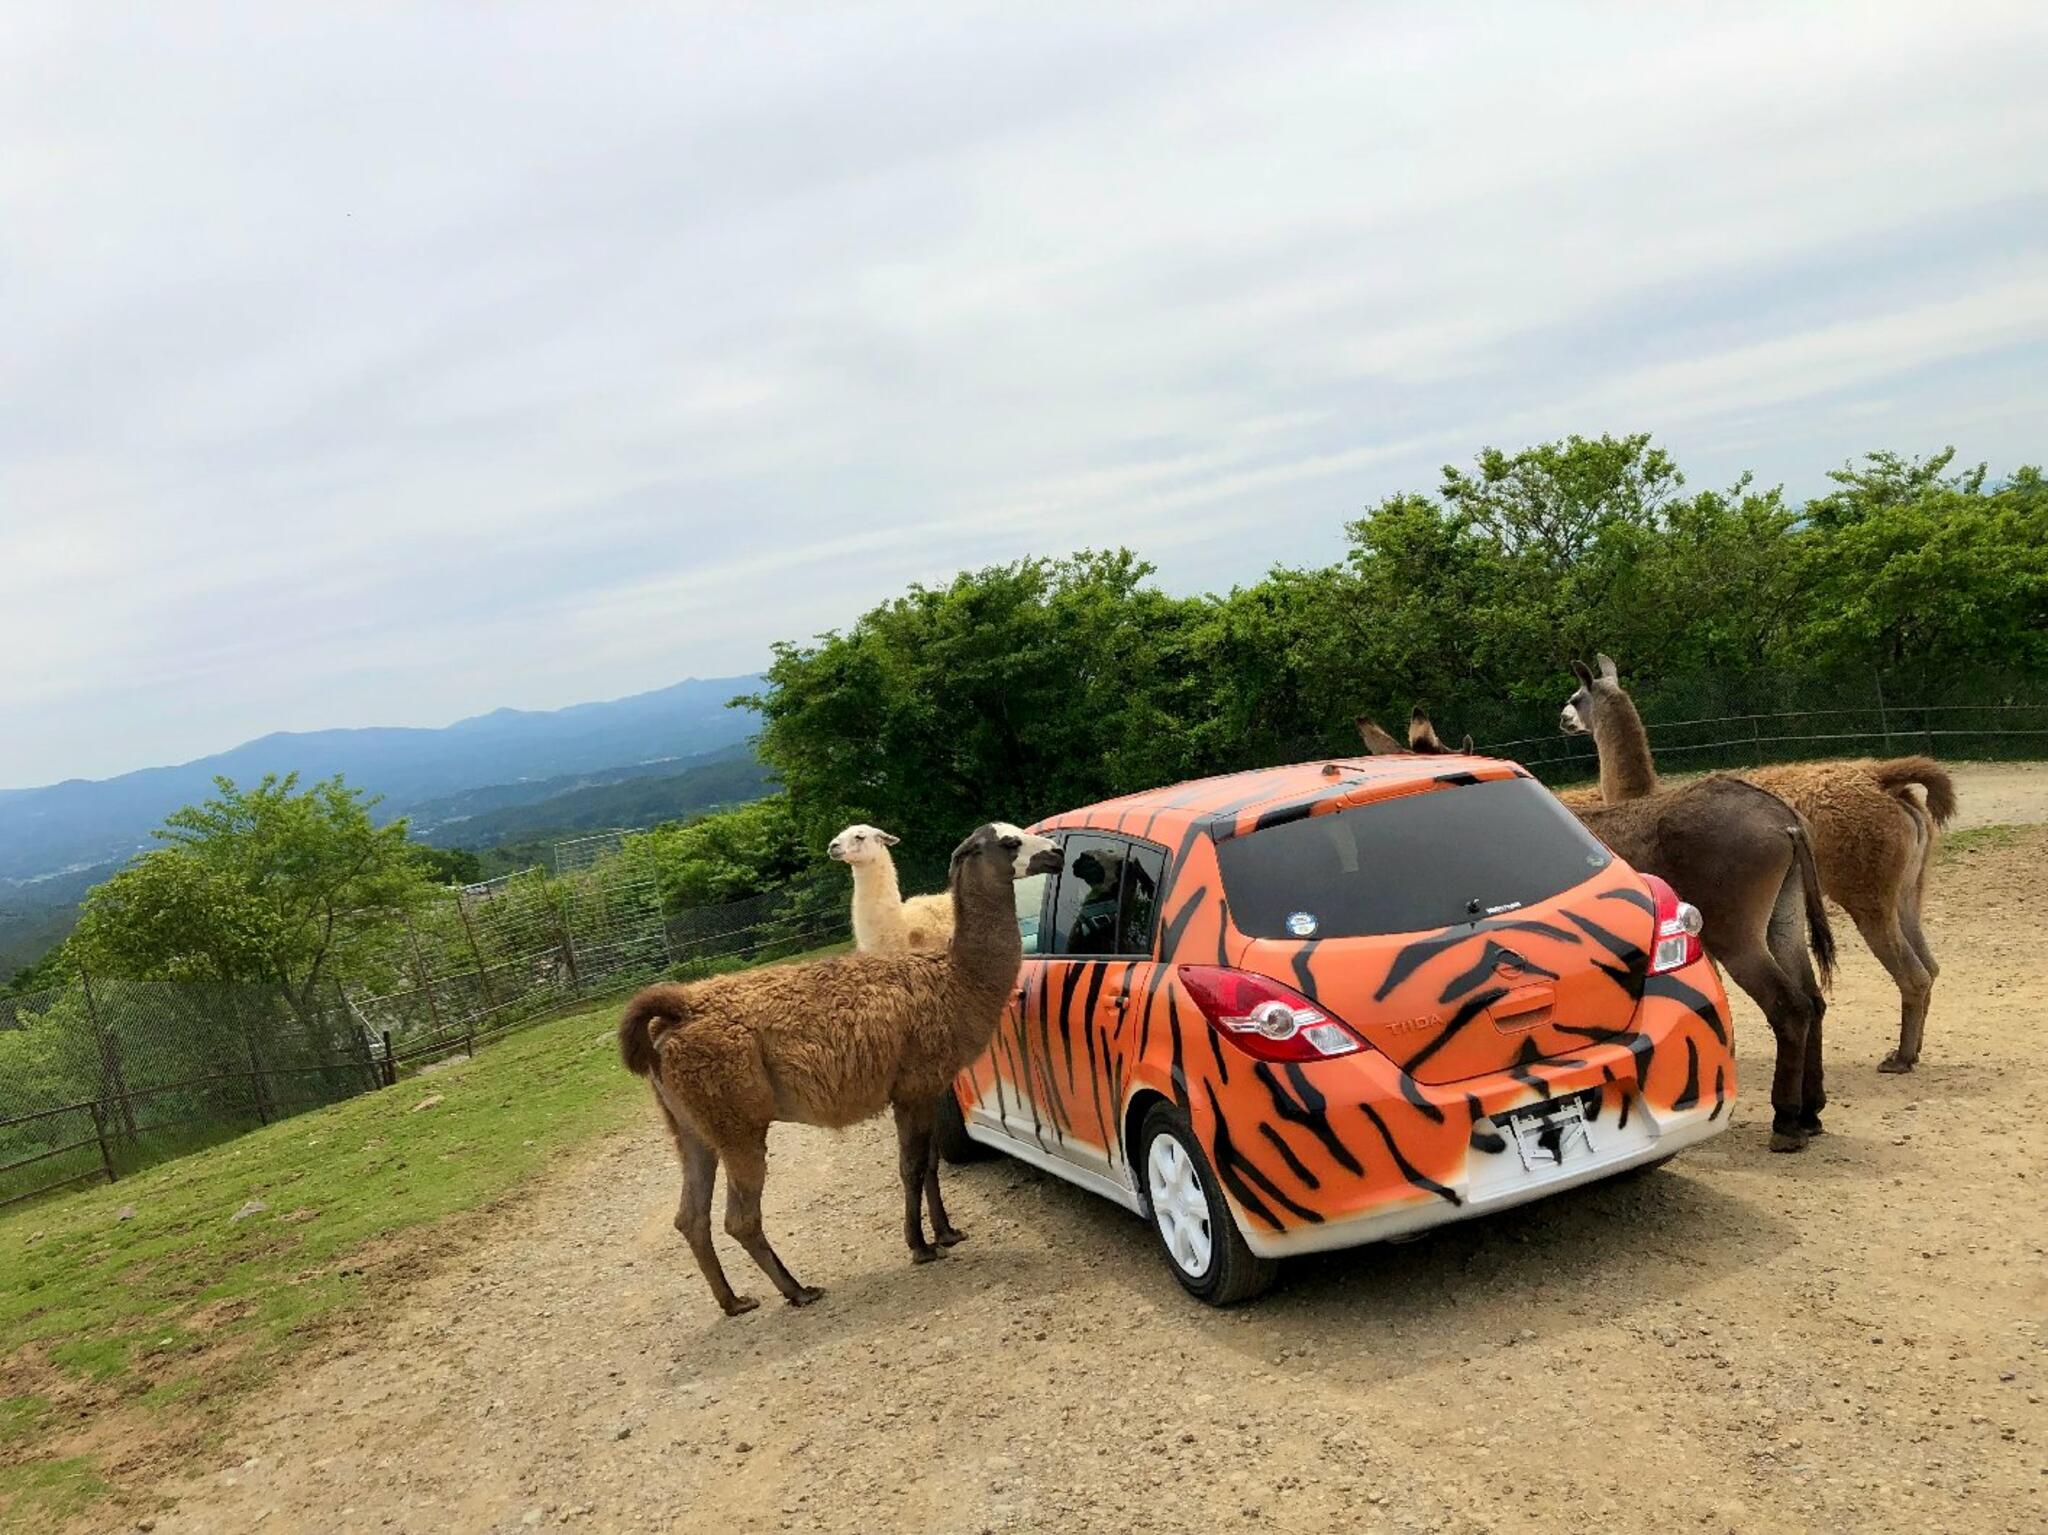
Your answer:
<point x="1852" y="1339"/>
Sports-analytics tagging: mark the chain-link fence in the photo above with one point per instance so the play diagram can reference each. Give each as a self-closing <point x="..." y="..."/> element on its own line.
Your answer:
<point x="765" y="927"/>
<point x="104" y="1076"/>
<point x="1878" y="728"/>
<point x="500" y="953"/>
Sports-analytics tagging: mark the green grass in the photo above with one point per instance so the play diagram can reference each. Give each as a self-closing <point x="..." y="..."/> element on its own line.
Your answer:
<point x="174" y="1310"/>
<point x="1973" y="837"/>
<point x="117" y="1331"/>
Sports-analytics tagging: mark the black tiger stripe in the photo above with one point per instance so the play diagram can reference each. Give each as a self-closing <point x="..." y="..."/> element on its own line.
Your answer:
<point x="1303" y="974"/>
<point x="1415" y="955"/>
<point x="1720" y="1091"/>
<point x="1469" y="1009"/>
<point x="1307" y="1108"/>
<point x="1628" y="953"/>
<point x="1489" y="961"/>
<point x="1294" y="1163"/>
<point x="1697" y="1002"/>
<point x="1630" y="894"/>
<point x="1689" y="1095"/>
<point x="1235" y="1168"/>
<point x="1076" y="973"/>
<point x="1408" y="1170"/>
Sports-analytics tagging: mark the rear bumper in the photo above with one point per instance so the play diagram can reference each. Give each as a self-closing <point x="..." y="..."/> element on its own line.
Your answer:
<point x="1496" y="1180"/>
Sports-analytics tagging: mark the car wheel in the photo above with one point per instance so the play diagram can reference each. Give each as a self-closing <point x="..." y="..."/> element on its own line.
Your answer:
<point x="949" y="1133"/>
<point x="1202" y="1244"/>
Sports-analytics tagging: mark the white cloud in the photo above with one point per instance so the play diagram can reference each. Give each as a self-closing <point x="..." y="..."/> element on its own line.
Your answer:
<point x="388" y="370"/>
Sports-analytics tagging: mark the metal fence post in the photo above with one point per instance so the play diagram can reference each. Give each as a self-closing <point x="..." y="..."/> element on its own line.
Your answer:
<point x="256" y="1081"/>
<point x="390" y="1062"/>
<point x="483" y="974"/>
<point x="113" y="1082"/>
<point x="419" y="970"/>
<point x="99" y="1130"/>
<point x="1883" y="719"/>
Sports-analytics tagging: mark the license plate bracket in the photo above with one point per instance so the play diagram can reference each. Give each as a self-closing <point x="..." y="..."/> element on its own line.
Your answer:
<point x="1549" y="1134"/>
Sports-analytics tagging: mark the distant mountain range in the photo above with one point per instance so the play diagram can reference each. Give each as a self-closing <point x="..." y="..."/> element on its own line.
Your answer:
<point x="75" y="826"/>
<point x="635" y="796"/>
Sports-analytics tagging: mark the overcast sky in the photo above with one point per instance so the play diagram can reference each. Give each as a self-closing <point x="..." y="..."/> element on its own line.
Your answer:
<point x="389" y="371"/>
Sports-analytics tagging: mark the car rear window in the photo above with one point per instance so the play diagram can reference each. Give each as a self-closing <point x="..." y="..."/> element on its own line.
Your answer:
<point x="1403" y="865"/>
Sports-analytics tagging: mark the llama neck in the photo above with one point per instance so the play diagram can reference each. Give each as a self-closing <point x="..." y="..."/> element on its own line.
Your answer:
<point x="878" y="906"/>
<point x="1627" y="771"/>
<point x="985" y="954"/>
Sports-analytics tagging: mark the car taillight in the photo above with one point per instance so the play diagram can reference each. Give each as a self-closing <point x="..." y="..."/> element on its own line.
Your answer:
<point x="1263" y="1018"/>
<point x="1678" y="929"/>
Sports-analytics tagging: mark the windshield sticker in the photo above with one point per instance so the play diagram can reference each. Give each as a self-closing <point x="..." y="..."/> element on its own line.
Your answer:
<point x="1302" y="924"/>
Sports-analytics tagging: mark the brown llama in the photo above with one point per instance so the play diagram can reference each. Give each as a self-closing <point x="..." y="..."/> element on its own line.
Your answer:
<point x="1872" y="837"/>
<point x="831" y="1043"/>
<point x="1740" y="855"/>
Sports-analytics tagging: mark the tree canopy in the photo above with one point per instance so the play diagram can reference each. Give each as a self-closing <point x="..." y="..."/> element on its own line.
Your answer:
<point x="1032" y="686"/>
<point x="267" y="884"/>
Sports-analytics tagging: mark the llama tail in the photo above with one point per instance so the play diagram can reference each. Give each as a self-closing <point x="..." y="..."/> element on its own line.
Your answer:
<point x="1893" y="777"/>
<point x="653" y="1011"/>
<point x="1820" y="936"/>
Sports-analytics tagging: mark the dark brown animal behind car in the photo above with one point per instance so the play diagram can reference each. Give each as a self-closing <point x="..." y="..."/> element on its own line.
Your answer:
<point x="831" y="1043"/>
<point x="1740" y="855"/>
<point x="1873" y="840"/>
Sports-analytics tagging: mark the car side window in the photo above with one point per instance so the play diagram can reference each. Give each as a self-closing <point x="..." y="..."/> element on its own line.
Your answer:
<point x="1084" y="910"/>
<point x="1031" y="894"/>
<point x="1142" y="870"/>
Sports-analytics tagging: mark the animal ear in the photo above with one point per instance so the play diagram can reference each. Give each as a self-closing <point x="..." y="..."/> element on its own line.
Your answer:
<point x="1582" y="672"/>
<point x="1376" y="740"/>
<point x="1467" y="748"/>
<point x="1607" y="671"/>
<point x="887" y="840"/>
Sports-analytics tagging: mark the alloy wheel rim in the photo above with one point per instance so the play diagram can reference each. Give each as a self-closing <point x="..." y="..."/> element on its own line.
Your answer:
<point x="1180" y="1208"/>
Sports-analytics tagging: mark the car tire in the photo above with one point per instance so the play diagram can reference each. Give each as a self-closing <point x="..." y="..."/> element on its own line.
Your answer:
<point x="1206" y="1253"/>
<point x="949" y="1133"/>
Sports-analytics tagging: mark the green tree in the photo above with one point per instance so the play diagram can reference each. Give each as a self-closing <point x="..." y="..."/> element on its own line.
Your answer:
<point x="1007" y="693"/>
<point x="1909" y="566"/>
<point x="270" y="884"/>
<point x="726" y="856"/>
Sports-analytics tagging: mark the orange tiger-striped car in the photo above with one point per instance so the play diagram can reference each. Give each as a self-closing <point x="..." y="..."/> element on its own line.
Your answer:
<point x="1314" y="1006"/>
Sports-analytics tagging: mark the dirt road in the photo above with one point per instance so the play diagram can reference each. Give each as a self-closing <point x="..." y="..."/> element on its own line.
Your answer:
<point x="1853" y="1339"/>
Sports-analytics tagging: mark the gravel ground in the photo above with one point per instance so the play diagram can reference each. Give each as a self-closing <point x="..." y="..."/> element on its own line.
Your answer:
<point x="1853" y="1339"/>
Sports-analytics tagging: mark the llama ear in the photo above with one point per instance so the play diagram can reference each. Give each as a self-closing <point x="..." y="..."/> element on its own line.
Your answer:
<point x="1376" y="740"/>
<point x="887" y="840"/>
<point x="1607" y="672"/>
<point x="1582" y="672"/>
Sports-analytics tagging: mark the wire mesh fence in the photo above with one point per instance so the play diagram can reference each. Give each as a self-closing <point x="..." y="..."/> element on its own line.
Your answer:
<point x="102" y="1076"/>
<point x="765" y="927"/>
<point x="498" y="954"/>
<point x="1879" y="728"/>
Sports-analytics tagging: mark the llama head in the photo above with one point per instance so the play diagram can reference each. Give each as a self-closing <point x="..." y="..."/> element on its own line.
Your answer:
<point x="860" y="843"/>
<point x="1582" y="709"/>
<point x="1422" y="736"/>
<point x="1005" y="853"/>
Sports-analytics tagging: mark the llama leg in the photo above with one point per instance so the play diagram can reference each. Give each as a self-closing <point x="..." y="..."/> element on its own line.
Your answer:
<point x="1789" y="951"/>
<point x="693" y="1215"/>
<point x="1789" y="1014"/>
<point x="746" y="1170"/>
<point x="1916" y="940"/>
<point x="913" y="1154"/>
<point x="1886" y="937"/>
<point x="944" y="1232"/>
